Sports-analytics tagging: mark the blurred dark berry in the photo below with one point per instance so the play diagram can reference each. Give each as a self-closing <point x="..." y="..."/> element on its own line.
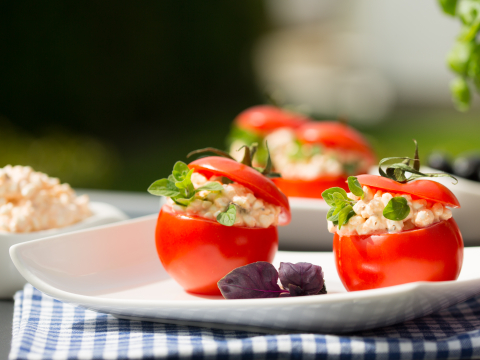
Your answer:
<point x="467" y="167"/>
<point x="440" y="161"/>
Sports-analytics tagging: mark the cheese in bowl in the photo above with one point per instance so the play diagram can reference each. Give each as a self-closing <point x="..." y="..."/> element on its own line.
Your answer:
<point x="32" y="201"/>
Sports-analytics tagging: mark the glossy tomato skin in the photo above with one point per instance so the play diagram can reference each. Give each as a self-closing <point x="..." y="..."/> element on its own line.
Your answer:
<point x="425" y="189"/>
<point x="335" y="135"/>
<point x="198" y="252"/>
<point x="310" y="188"/>
<point x="263" y="119"/>
<point x="434" y="253"/>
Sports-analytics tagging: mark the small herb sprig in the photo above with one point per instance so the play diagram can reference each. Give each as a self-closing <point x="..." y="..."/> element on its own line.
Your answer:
<point x="260" y="280"/>
<point x="179" y="187"/>
<point x="341" y="206"/>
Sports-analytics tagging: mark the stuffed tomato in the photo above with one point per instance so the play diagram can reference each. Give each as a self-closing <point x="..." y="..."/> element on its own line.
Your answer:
<point x="219" y="215"/>
<point x="254" y="124"/>
<point x="317" y="156"/>
<point x="390" y="230"/>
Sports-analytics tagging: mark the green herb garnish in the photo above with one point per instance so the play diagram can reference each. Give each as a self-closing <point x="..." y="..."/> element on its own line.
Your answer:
<point x="397" y="209"/>
<point x="341" y="207"/>
<point x="179" y="187"/>
<point x="229" y="216"/>
<point x="355" y="186"/>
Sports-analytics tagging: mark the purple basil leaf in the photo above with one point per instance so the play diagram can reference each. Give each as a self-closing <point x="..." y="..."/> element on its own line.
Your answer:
<point x="301" y="278"/>
<point x="252" y="281"/>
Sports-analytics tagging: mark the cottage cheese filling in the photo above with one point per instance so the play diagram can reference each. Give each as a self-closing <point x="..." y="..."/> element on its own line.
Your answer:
<point x="310" y="161"/>
<point x="32" y="201"/>
<point x="251" y="211"/>
<point x="369" y="217"/>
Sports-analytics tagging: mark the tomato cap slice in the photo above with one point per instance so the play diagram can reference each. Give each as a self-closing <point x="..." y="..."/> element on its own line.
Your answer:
<point x="262" y="187"/>
<point x="333" y="134"/>
<point x="264" y="119"/>
<point x="425" y="189"/>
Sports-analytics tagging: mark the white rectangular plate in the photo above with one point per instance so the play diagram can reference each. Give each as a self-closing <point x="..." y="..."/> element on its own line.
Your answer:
<point x="115" y="269"/>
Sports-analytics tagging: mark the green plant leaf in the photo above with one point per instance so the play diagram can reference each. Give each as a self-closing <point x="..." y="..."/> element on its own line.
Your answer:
<point x="459" y="56"/>
<point x="355" y="186"/>
<point x="180" y="170"/>
<point x="460" y="93"/>
<point x="339" y="199"/>
<point x="344" y="215"/>
<point x="448" y="6"/>
<point x="397" y="209"/>
<point x="212" y="186"/>
<point x="327" y="195"/>
<point x="163" y="187"/>
<point x="229" y="216"/>
<point x="183" y="201"/>
<point x="186" y="185"/>
<point x="468" y="11"/>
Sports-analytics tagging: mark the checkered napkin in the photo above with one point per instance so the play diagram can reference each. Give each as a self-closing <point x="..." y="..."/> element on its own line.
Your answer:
<point x="44" y="328"/>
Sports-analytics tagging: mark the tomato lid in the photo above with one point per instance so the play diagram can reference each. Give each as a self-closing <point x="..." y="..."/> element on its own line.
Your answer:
<point x="334" y="134"/>
<point x="264" y="119"/>
<point x="262" y="187"/>
<point x="425" y="189"/>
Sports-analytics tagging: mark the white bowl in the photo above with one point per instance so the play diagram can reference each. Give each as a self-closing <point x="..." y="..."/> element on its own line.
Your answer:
<point x="11" y="280"/>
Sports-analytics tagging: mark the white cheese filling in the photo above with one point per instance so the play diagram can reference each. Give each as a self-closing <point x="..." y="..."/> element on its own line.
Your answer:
<point x="32" y="201"/>
<point x="369" y="217"/>
<point x="251" y="211"/>
<point x="314" y="161"/>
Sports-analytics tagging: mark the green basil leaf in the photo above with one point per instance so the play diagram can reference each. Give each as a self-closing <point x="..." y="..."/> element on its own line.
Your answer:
<point x="183" y="201"/>
<point x="344" y="215"/>
<point x="162" y="187"/>
<point x="355" y="186"/>
<point x="186" y="185"/>
<point x="327" y="195"/>
<point x="338" y="199"/>
<point x="180" y="170"/>
<point x="229" y="216"/>
<point x="397" y="209"/>
<point x="212" y="186"/>
<point x="330" y="213"/>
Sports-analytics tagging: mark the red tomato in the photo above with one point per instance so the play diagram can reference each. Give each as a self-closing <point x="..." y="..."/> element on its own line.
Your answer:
<point x="330" y="134"/>
<point x="310" y="188"/>
<point x="262" y="187"/>
<point x="198" y="252"/>
<point x="264" y="119"/>
<point x="333" y="134"/>
<point x="434" y="253"/>
<point x="425" y="189"/>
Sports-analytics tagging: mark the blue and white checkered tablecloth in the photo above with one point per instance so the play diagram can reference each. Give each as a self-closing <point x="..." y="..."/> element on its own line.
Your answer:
<point x="44" y="328"/>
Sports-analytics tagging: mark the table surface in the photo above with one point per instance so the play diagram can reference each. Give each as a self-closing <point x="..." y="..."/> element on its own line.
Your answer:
<point x="133" y="204"/>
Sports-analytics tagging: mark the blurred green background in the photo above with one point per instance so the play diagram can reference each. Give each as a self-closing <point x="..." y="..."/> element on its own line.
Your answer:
<point x="110" y="94"/>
